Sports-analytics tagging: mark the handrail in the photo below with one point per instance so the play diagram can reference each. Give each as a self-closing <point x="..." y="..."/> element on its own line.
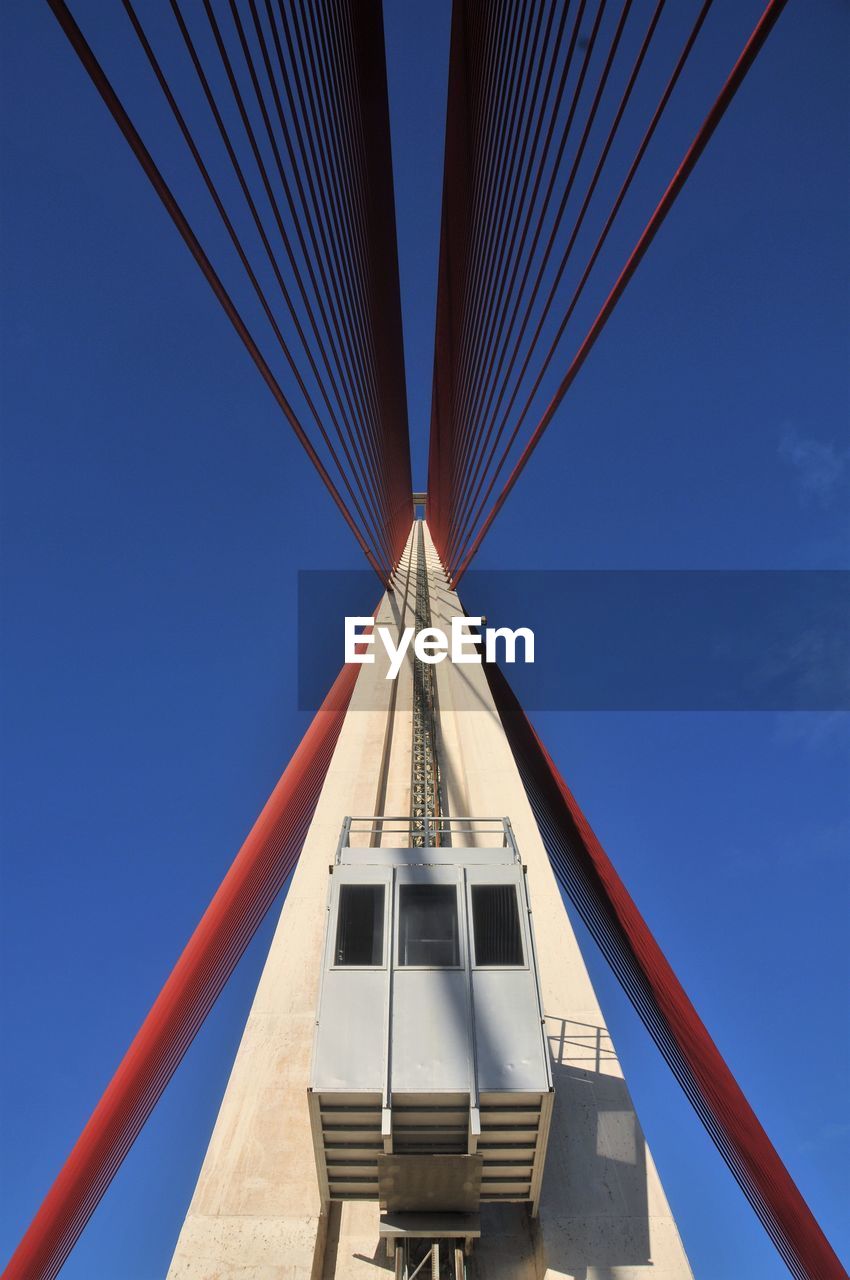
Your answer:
<point x="435" y="828"/>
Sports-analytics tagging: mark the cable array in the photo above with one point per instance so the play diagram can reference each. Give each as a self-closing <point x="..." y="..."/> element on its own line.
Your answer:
<point x="540" y="101"/>
<point x="290" y="98"/>
<point x="296" y="164"/>
<point x="257" y="875"/>
<point x="585" y="873"/>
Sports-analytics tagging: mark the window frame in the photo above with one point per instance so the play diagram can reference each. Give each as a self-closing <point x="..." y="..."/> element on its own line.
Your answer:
<point x="357" y="882"/>
<point x="493" y="880"/>
<point x="419" y="880"/>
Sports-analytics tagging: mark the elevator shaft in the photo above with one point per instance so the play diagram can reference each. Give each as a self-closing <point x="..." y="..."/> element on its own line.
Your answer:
<point x="425" y="790"/>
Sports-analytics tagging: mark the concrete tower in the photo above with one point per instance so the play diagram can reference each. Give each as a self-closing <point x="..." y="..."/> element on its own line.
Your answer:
<point x="431" y="740"/>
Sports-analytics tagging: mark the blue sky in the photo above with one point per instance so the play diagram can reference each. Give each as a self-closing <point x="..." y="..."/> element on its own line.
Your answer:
<point x="155" y="512"/>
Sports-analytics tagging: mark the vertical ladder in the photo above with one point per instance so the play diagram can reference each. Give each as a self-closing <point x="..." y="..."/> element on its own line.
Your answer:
<point x="425" y="769"/>
<point x="407" y="1267"/>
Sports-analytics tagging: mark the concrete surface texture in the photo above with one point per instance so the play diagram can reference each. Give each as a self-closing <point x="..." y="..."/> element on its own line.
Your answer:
<point x="256" y="1212"/>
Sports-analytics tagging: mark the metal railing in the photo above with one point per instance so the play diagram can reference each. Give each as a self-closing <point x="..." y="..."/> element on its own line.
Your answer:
<point x="429" y="831"/>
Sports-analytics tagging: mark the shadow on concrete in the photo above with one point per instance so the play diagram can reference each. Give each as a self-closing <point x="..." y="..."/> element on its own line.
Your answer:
<point x="594" y="1207"/>
<point x="377" y="1259"/>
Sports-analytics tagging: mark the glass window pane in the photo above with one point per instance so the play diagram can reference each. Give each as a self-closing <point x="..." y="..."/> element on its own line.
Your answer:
<point x="428" y="930"/>
<point x="360" y="924"/>
<point x="495" y="923"/>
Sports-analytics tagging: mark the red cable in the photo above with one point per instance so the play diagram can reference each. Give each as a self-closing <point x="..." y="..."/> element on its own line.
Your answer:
<point x="341" y="397"/>
<point x="104" y="88"/>
<point x="342" y="351"/>
<point x="190" y="142"/>
<point x="369" y="61"/>
<point x="452" y="265"/>
<point x="492" y="34"/>
<point x="358" y="31"/>
<point x="712" y="120"/>
<point x="339" y="293"/>
<point x="508" y="213"/>
<point x="502" y="299"/>
<point x="553" y="288"/>
<point x="555" y="167"/>
<point x="323" y="100"/>
<point x="492" y="185"/>
<point x="346" y="341"/>
<point x="257" y="875"/>
<point x="586" y="872"/>
<point x="508" y="258"/>
<point x="603" y="79"/>
<point x="659" y="110"/>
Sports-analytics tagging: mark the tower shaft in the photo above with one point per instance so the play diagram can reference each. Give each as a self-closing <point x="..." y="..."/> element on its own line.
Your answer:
<point x="428" y="741"/>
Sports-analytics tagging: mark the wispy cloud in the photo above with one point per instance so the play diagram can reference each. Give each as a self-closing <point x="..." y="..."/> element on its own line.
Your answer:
<point x="820" y="467"/>
<point x="811" y="729"/>
<point x="834" y="1132"/>
<point x="820" y="847"/>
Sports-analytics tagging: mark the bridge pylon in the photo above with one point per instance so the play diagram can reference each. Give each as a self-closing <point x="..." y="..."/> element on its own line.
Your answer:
<point x="481" y="1123"/>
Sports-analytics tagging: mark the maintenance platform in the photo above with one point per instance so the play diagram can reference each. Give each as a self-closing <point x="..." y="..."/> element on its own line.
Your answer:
<point x="431" y="1087"/>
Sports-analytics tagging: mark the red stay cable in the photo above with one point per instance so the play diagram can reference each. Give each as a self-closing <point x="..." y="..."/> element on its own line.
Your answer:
<point x="736" y="77"/>
<point x="324" y="88"/>
<point x="342" y="395"/>
<point x="487" y="41"/>
<point x="514" y="78"/>
<point x="550" y="186"/>
<point x="510" y="203"/>
<point x="579" y="289"/>
<point x="575" y="850"/>
<point x="367" y="42"/>
<point x="258" y="873"/>
<point x="329" y="307"/>
<point x="349" y="336"/>
<point x="484" y="464"/>
<point x="231" y="231"/>
<point x="104" y="88"/>
<point x="553" y="233"/>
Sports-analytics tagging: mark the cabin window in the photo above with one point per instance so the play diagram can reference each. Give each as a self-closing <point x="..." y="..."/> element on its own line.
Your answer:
<point x="495" y="925"/>
<point x="428" y="928"/>
<point x="360" y="925"/>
